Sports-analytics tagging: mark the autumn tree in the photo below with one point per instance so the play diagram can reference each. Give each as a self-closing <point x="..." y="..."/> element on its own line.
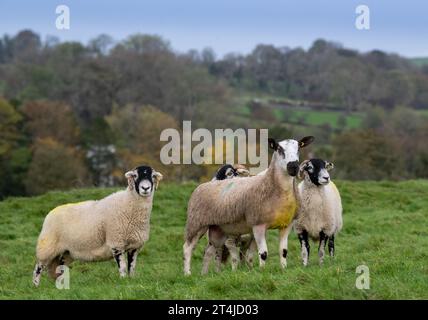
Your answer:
<point x="56" y="120"/>
<point x="55" y="166"/>
<point x="368" y="155"/>
<point x="137" y="131"/>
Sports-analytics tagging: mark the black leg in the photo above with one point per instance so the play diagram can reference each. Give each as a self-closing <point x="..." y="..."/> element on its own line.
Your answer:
<point x="119" y="256"/>
<point x="116" y="255"/>
<point x="131" y="257"/>
<point x="305" y="246"/>
<point x="321" y="248"/>
<point x="331" y="246"/>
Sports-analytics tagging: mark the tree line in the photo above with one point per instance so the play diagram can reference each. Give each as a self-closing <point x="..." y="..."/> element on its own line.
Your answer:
<point x="74" y="114"/>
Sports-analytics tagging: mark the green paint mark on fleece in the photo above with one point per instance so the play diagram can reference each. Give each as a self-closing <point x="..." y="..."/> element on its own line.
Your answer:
<point x="227" y="188"/>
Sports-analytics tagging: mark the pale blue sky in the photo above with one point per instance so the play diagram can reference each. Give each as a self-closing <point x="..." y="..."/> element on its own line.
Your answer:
<point x="231" y="25"/>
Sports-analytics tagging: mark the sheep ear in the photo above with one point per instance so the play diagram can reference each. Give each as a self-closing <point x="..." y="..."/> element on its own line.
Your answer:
<point x="273" y="144"/>
<point x="158" y="177"/>
<point x="131" y="176"/>
<point x="329" y="166"/>
<point x="243" y="172"/>
<point x="306" y="141"/>
<point x="302" y="168"/>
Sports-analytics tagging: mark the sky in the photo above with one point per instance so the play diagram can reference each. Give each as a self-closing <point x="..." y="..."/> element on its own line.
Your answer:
<point x="231" y="25"/>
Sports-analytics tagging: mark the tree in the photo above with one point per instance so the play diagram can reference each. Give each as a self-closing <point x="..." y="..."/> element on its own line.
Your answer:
<point x="9" y="121"/>
<point x="14" y="158"/>
<point x="56" y="120"/>
<point x="137" y="136"/>
<point x="54" y="166"/>
<point x="368" y="155"/>
<point x="101" y="44"/>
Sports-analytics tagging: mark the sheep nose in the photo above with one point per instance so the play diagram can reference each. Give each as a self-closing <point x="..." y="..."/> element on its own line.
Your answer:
<point x="326" y="178"/>
<point x="145" y="188"/>
<point x="293" y="168"/>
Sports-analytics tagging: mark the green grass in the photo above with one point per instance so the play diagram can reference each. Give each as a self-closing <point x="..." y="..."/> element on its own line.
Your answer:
<point x="384" y="228"/>
<point x="294" y="114"/>
<point x="420" y="62"/>
<point x="317" y="118"/>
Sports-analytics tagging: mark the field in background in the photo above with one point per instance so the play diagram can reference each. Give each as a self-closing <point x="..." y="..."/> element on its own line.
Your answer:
<point x="384" y="228"/>
<point x="420" y="62"/>
<point x="294" y="112"/>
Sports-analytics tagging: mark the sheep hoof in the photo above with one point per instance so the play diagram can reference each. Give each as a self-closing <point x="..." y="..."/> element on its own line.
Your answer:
<point x="36" y="282"/>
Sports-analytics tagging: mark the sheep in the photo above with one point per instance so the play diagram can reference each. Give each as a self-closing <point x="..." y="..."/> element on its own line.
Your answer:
<point x="233" y="243"/>
<point x="247" y="205"/>
<point x="320" y="209"/>
<point x="99" y="230"/>
<point x="229" y="171"/>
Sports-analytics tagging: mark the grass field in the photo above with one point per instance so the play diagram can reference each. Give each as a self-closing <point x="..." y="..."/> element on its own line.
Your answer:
<point x="420" y="62"/>
<point x="317" y="118"/>
<point x="385" y="228"/>
<point x="298" y="115"/>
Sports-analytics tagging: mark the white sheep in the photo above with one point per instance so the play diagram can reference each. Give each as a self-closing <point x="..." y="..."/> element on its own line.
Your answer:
<point x="99" y="230"/>
<point x="233" y="244"/>
<point x="320" y="208"/>
<point x="247" y="205"/>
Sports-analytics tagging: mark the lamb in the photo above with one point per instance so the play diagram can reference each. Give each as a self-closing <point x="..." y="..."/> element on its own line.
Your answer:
<point x="116" y="225"/>
<point x="247" y="205"/>
<point x="320" y="211"/>
<point x="229" y="171"/>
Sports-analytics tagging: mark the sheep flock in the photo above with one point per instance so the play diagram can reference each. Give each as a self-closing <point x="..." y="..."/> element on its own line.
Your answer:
<point x="234" y="211"/>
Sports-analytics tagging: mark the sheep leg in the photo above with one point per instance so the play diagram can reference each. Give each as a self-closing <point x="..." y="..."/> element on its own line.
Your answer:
<point x="283" y="244"/>
<point x="219" y="258"/>
<point x="56" y="266"/>
<point x="217" y="238"/>
<point x="210" y="251"/>
<point x="321" y="248"/>
<point x="304" y="243"/>
<point x="132" y="261"/>
<point x="37" y="273"/>
<point x="188" y="247"/>
<point x="119" y="256"/>
<point x="231" y="245"/>
<point x="331" y="246"/>
<point x="259" y="232"/>
<point x="250" y="252"/>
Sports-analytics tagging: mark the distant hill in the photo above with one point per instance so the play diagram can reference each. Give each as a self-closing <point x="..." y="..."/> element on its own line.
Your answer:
<point x="420" y="61"/>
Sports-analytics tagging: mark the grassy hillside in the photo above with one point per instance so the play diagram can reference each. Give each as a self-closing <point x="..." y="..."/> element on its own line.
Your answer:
<point x="420" y="62"/>
<point x="384" y="228"/>
<point x="287" y="111"/>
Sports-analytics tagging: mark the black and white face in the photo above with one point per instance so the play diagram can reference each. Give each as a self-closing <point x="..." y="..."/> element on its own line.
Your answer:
<point x="317" y="171"/>
<point x="288" y="151"/>
<point x="226" y="172"/>
<point x="144" y="180"/>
